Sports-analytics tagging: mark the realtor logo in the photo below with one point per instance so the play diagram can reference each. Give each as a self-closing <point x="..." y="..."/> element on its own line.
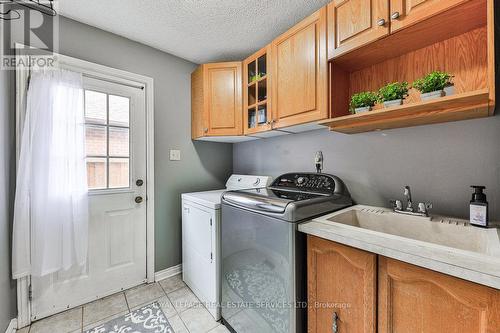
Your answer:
<point x="30" y="28"/>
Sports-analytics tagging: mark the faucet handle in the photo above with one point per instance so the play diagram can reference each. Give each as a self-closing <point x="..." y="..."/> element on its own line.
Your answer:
<point x="397" y="204"/>
<point x="424" y="207"/>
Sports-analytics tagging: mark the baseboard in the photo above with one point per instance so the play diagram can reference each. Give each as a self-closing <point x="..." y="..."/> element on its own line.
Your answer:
<point x="12" y="326"/>
<point x="168" y="272"/>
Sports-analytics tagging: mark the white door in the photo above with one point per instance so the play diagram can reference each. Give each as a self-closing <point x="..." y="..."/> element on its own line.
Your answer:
<point x="116" y="171"/>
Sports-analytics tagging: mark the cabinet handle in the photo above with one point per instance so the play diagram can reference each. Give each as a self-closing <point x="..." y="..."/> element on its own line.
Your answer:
<point x="205" y="130"/>
<point x="395" y="15"/>
<point x="335" y="327"/>
<point x="381" y="22"/>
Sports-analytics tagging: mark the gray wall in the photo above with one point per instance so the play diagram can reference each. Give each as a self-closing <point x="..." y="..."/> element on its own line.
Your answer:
<point x="203" y="166"/>
<point x="439" y="162"/>
<point x="7" y="286"/>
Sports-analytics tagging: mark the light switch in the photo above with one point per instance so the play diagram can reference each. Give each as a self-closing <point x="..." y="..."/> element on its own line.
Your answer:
<point x="175" y="155"/>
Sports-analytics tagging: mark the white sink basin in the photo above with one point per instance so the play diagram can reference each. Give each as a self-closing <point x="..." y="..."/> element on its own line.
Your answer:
<point x="443" y="231"/>
<point x="447" y="245"/>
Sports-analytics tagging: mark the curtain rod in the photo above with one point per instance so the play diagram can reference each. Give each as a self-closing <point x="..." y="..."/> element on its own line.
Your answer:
<point x="113" y="81"/>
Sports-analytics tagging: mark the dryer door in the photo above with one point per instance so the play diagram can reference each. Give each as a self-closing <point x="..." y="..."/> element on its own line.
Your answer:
<point x="199" y="264"/>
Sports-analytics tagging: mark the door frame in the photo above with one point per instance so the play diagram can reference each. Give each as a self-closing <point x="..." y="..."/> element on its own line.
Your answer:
<point x="104" y="73"/>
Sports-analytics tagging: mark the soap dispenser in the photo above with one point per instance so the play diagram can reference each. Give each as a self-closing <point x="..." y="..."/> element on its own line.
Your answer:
<point x="479" y="207"/>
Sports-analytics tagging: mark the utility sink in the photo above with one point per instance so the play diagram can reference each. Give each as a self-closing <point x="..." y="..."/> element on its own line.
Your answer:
<point x="454" y="233"/>
<point x="448" y="245"/>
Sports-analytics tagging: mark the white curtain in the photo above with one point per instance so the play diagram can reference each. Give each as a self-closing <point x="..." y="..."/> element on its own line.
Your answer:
<point x="51" y="203"/>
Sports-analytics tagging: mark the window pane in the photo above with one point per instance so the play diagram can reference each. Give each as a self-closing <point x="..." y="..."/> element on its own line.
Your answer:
<point x="119" y="110"/>
<point x="95" y="107"/>
<point x="118" y="142"/>
<point x="118" y="172"/>
<point x="95" y="140"/>
<point x="96" y="173"/>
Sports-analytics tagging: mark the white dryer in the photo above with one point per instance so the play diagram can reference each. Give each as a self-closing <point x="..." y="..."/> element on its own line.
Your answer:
<point x="201" y="239"/>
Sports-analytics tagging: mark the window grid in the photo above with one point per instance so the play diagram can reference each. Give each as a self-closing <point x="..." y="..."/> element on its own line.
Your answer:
<point x="107" y="156"/>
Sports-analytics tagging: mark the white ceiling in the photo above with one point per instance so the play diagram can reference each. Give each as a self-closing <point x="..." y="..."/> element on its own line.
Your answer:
<point x="197" y="30"/>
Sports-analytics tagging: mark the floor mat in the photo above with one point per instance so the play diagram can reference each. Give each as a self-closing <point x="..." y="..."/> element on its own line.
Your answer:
<point x="148" y="319"/>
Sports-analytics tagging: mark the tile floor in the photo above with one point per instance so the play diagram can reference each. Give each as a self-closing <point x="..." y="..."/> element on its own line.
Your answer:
<point x="182" y="308"/>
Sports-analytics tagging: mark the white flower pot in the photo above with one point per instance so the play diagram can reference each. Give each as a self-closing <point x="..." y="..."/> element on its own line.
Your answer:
<point x="395" y="102"/>
<point x="362" y="109"/>
<point x="449" y="90"/>
<point x="432" y="95"/>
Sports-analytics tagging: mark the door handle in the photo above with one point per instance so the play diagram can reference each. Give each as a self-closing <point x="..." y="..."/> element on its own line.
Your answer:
<point x="335" y="327"/>
<point x="138" y="199"/>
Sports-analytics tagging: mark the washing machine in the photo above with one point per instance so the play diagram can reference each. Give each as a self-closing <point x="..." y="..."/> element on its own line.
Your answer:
<point x="201" y="239"/>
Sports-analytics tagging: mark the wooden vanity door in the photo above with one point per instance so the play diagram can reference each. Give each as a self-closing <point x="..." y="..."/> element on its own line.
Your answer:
<point x="342" y="281"/>
<point x="354" y="23"/>
<point x="414" y="299"/>
<point x="408" y="12"/>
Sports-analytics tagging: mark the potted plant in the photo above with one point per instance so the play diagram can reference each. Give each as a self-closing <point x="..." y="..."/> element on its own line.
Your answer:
<point x="393" y="94"/>
<point x="433" y="85"/>
<point x="362" y="102"/>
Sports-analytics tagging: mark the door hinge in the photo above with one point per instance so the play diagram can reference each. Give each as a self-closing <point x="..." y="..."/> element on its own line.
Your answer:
<point x="211" y="256"/>
<point x="30" y="293"/>
<point x="210" y="221"/>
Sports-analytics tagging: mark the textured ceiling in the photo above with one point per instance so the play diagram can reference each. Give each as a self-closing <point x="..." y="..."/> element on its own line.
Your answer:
<point x="198" y="30"/>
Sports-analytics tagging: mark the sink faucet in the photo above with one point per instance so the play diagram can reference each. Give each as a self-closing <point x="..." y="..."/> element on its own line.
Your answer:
<point x="422" y="208"/>
<point x="407" y="194"/>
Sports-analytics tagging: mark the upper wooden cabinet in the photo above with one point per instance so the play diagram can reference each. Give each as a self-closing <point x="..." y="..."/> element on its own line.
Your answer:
<point x="414" y="299"/>
<point x="353" y="23"/>
<point x="216" y="100"/>
<point x="300" y="73"/>
<point x="407" y="12"/>
<point x="342" y="284"/>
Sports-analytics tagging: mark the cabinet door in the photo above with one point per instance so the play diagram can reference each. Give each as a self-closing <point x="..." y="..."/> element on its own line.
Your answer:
<point x="414" y="299"/>
<point x="341" y="288"/>
<point x="404" y="13"/>
<point x="256" y="92"/>
<point x="223" y="99"/>
<point x="300" y="71"/>
<point x="354" y="23"/>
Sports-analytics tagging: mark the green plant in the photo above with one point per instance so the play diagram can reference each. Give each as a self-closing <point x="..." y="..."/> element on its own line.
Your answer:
<point x="362" y="99"/>
<point x="433" y="81"/>
<point x="256" y="77"/>
<point x="392" y="91"/>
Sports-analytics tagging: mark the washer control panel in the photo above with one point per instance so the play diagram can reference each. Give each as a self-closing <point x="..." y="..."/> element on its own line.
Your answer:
<point x="307" y="182"/>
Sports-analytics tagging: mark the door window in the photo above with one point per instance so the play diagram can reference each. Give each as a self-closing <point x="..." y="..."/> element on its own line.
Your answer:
<point x="107" y="131"/>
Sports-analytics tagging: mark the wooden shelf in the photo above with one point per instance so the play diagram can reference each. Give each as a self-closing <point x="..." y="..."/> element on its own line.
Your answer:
<point x="258" y="80"/>
<point x="263" y="102"/>
<point x="462" y="106"/>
